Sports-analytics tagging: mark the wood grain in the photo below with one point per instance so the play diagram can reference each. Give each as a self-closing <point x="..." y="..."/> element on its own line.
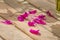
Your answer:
<point x="1" y="39"/>
<point x="20" y="30"/>
<point x="9" y="32"/>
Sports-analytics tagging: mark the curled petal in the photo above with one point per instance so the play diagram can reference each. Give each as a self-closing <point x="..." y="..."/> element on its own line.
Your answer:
<point x="42" y="22"/>
<point x="36" y="32"/>
<point x="25" y="15"/>
<point x="42" y="17"/>
<point x="49" y="14"/>
<point x="31" y="23"/>
<point x="39" y="21"/>
<point x="20" y="18"/>
<point x="6" y="22"/>
<point x="33" y="11"/>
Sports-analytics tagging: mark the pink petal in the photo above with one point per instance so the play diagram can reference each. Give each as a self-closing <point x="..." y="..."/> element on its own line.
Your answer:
<point x="49" y="14"/>
<point x="31" y="23"/>
<point x="36" y="32"/>
<point x="42" y="22"/>
<point x="39" y="21"/>
<point x="25" y="15"/>
<point x="20" y="18"/>
<point x="42" y="17"/>
<point x="7" y="22"/>
<point x="33" y="11"/>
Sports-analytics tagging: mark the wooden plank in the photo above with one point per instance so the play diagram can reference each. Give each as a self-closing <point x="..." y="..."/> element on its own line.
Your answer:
<point x="20" y="0"/>
<point x="1" y="0"/>
<point x="43" y="4"/>
<point x="1" y="39"/>
<point x="9" y="32"/>
<point x="52" y="1"/>
<point x="40" y="3"/>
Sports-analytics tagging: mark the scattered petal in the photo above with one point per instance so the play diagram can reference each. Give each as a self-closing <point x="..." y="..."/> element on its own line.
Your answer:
<point x="33" y="11"/>
<point x="31" y="23"/>
<point x="39" y="21"/>
<point x="36" y="32"/>
<point x="49" y="14"/>
<point x="42" y="22"/>
<point x="20" y="18"/>
<point x="42" y="17"/>
<point x="25" y="15"/>
<point x="6" y="22"/>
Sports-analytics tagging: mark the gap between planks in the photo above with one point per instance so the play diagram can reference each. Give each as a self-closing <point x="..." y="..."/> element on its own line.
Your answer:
<point x="9" y="32"/>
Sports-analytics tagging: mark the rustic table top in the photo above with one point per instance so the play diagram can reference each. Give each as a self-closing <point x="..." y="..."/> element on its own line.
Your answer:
<point x="20" y="30"/>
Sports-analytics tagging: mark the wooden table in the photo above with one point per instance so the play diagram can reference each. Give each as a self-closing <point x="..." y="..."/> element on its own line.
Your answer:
<point x="20" y="30"/>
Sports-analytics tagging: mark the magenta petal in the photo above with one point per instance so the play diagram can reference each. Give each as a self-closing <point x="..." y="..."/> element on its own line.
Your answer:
<point x="36" y="32"/>
<point x="25" y="15"/>
<point x="42" y="22"/>
<point x="49" y="14"/>
<point x="7" y="22"/>
<point x="39" y="21"/>
<point x="33" y="11"/>
<point x="31" y="23"/>
<point x="20" y="18"/>
<point x="42" y="17"/>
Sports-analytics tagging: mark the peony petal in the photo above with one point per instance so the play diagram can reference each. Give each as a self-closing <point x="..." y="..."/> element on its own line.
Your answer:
<point x="36" y="32"/>
<point x="42" y="22"/>
<point x="31" y="23"/>
<point x="42" y="17"/>
<point x="7" y="22"/>
<point x="39" y="21"/>
<point x="49" y="14"/>
<point x="33" y="11"/>
<point x="25" y="15"/>
<point x="20" y="18"/>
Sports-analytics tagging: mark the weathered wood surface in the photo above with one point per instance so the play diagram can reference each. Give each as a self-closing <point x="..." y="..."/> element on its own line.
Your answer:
<point x="44" y="4"/>
<point x="20" y="30"/>
<point x="9" y="32"/>
<point x="1" y="39"/>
